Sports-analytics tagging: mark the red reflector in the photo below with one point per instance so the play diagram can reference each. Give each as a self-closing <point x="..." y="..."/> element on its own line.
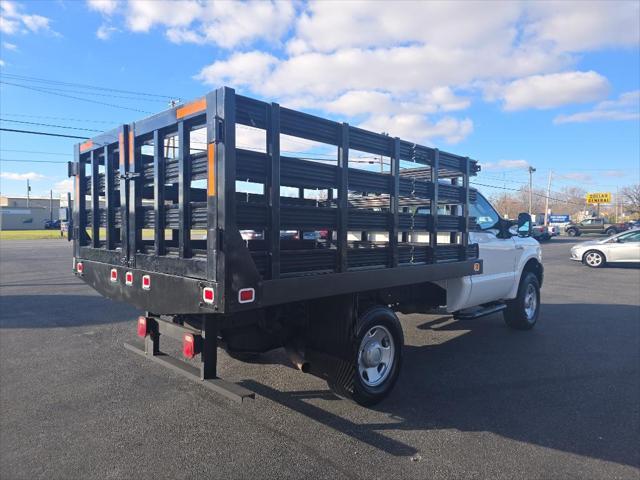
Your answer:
<point x="246" y="295"/>
<point x="79" y="267"/>
<point x="142" y="326"/>
<point x="114" y="275"/>
<point x="128" y="278"/>
<point x="188" y="345"/>
<point x="207" y="295"/>
<point x="146" y="282"/>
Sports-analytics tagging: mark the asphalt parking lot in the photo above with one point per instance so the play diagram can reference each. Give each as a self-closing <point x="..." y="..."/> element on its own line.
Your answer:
<point x="475" y="399"/>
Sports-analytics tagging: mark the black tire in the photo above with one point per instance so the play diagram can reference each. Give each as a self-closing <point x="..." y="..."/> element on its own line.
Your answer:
<point x="572" y="232"/>
<point x="347" y="381"/>
<point x="594" y="259"/>
<point x="611" y="232"/>
<point x="517" y="315"/>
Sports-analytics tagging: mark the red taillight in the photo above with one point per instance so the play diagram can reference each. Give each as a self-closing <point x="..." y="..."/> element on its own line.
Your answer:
<point x="207" y="295"/>
<point x="114" y="275"/>
<point x="146" y="282"/>
<point x="128" y="278"/>
<point x="142" y="326"/>
<point x="79" y="268"/>
<point x="246" y="295"/>
<point x="188" y="345"/>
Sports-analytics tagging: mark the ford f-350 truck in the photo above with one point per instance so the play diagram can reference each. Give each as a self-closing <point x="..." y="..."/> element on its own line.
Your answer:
<point x="160" y="204"/>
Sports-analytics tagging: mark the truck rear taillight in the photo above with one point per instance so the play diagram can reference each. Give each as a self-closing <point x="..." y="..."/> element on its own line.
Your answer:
<point x="246" y="295"/>
<point x="146" y="282"/>
<point x="128" y="278"/>
<point x="188" y="345"/>
<point x="208" y="295"/>
<point x="142" y="327"/>
<point x="114" y="275"/>
<point x="79" y="268"/>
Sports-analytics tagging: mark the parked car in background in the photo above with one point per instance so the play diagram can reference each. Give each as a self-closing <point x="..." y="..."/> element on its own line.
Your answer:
<point x="594" y="225"/>
<point x="542" y="233"/>
<point x="623" y="247"/>
<point x="52" y="224"/>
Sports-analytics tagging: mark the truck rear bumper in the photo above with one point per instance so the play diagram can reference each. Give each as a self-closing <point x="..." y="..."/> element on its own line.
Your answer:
<point x="166" y="294"/>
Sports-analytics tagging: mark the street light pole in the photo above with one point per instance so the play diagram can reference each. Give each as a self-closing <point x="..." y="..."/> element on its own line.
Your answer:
<point x="546" y="202"/>
<point x="531" y="170"/>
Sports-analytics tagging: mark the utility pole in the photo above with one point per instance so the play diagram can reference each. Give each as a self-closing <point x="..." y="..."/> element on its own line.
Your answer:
<point x="51" y="205"/>
<point x="546" y="201"/>
<point x="531" y="170"/>
<point x="28" y="190"/>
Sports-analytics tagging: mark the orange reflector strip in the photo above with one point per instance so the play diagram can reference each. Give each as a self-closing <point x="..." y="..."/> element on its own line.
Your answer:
<point x="121" y="148"/>
<point x="132" y="157"/>
<point x="211" y="170"/>
<point x="86" y="145"/>
<point x="191" y="108"/>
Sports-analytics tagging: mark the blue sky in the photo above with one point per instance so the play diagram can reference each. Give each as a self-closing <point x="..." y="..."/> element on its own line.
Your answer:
<point x="553" y="85"/>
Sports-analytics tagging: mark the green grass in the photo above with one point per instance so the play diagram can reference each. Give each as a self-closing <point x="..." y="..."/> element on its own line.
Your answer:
<point x="29" y="234"/>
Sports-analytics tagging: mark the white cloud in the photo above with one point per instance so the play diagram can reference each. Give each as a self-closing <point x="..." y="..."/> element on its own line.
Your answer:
<point x="21" y="176"/>
<point x="2" y="64"/>
<point x="401" y="67"/>
<point x="9" y="46"/>
<point x="579" y="25"/>
<point x="13" y="20"/>
<point x="105" y="31"/>
<point x="240" y="69"/>
<point x="614" y="173"/>
<point x="506" y="165"/>
<point x="626" y="107"/>
<point x="227" y="24"/>
<point x="554" y="90"/>
<point x="107" y="7"/>
<point x="63" y="186"/>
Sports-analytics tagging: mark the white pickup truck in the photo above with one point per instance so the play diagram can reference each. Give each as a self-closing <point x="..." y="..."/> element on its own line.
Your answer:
<point x="512" y="274"/>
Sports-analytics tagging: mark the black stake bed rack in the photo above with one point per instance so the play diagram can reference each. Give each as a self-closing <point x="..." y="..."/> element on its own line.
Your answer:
<point x="164" y="197"/>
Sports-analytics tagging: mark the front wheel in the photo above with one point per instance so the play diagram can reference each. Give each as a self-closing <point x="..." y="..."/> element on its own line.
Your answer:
<point x="611" y="232"/>
<point x="522" y="312"/>
<point x="377" y="358"/>
<point x="594" y="259"/>
<point x="572" y="232"/>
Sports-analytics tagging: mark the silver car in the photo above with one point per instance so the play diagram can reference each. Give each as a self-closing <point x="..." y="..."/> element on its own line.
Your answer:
<point x="622" y="247"/>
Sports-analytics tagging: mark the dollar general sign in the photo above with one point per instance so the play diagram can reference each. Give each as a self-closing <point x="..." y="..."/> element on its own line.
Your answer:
<point x="599" y="197"/>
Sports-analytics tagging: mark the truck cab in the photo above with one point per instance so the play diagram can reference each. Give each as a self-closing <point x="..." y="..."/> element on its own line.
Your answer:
<point x="509" y="254"/>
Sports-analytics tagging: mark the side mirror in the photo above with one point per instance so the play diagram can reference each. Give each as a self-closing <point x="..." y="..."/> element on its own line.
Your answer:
<point x="524" y="225"/>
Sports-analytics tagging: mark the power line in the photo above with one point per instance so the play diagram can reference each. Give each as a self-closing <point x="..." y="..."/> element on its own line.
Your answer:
<point x="49" y="125"/>
<point x="75" y="98"/>
<point x="518" y="190"/>
<point x="110" y="95"/>
<point x="42" y="133"/>
<point x="47" y="117"/>
<point x="31" y="161"/>
<point x="37" y="152"/>
<point x="82" y="85"/>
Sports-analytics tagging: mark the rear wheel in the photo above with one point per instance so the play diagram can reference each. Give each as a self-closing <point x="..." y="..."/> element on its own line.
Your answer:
<point x="572" y="232"/>
<point x="610" y="232"/>
<point x="522" y="312"/>
<point x="375" y="360"/>
<point x="594" y="259"/>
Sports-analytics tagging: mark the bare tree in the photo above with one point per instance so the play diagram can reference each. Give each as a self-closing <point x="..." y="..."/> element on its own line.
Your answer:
<point x="631" y="195"/>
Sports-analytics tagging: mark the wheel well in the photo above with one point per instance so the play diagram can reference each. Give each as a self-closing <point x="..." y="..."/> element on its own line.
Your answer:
<point x="535" y="267"/>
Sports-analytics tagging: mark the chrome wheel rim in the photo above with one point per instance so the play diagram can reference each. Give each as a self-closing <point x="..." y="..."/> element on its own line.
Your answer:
<point x="376" y="356"/>
<point x="593" y="259"/>
<point x="530" y="302"/>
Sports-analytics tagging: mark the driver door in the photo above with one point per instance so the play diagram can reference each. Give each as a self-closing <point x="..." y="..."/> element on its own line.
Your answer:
<point x="498" y="255"/>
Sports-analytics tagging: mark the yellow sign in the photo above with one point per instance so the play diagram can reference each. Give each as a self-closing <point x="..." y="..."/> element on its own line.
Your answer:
<point x="599" y="197"/>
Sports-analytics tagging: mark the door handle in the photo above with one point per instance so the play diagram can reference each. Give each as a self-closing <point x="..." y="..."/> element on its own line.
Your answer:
<point x="519" y="247"/>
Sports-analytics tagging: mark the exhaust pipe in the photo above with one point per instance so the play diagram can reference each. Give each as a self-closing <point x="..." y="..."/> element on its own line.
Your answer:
<point x="297" y="358"/>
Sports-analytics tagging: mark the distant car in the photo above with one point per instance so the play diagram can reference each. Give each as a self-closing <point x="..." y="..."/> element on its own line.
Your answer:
<point x="594" y="225"/>
<point x="623" y="247"/>
<point x="541" y="233"/>
<point x="52" y="224"/>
